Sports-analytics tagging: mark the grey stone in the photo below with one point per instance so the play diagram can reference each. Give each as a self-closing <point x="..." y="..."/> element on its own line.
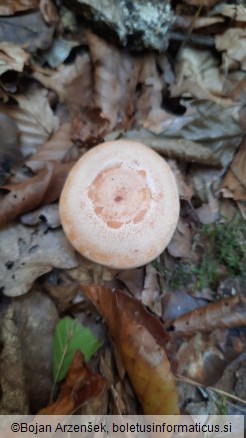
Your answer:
<point x="137" y="23"/>
<point x="36" y="318"/>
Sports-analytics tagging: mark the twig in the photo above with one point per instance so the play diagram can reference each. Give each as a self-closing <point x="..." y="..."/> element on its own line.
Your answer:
<point x="200" y="40"/>
<point x="209" y="388"/>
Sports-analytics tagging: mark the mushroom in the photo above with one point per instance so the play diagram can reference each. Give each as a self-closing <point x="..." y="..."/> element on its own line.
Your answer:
<point x="120" y="205"/>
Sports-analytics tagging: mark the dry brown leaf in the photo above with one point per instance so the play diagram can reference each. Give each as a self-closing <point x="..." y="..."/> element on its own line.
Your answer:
<point x="133" y="279"/>
<point x="232" y="44"/>
<point x="181" y="243"/>
<point x="89" y="128"/>
<point x="26" y="253"/>
<point x="55" y="149"/>
<point x="34" y="117"/>
<point x="14" y="400"/>
<point x="151" y="290"/>
<point x="226" y="313"/>
<point x="49" y="12"/>
<point x="198" y="75"/>
<point x="62" y="295"/>
<point x="150" y="97"/>
<point x="185" y="191"/>
<point x="12" y="57"/>
<point x="80" y="385"/>
<point x="119" y="407"/>
<point x="238" y="94"/>
<point x="233" y="378"/>
<point x="59" y="175"/>
<point x="10" y="7"/>
<point x="211" y="136"/>
<point x="139" y="337"/>
<point x="236" y="12"/>
<point x="204" y="180"/>
<point x="205" y="183"/>
<point x="115" y="75"/>
<point x="235" y="178"/>
<point x="242" y="209"/>
<point x="202" y="358"/>
<point x="42" y="189"/>
<point x="159" y="121"/>
<point x="72" y="82"/>
<point x="30" y="30"/>
<point x="24" y="196"/>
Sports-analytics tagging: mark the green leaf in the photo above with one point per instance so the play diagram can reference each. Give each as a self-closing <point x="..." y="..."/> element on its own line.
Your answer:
<point x="71" y="336"/>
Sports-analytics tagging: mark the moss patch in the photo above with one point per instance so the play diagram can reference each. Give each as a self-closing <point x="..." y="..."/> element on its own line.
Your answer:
<point x="222" y="254"/>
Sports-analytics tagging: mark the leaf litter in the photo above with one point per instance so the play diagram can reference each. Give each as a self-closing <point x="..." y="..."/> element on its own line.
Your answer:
<point x="63" y="90"/>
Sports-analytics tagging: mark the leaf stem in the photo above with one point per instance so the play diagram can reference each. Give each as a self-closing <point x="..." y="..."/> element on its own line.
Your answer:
<point x="210" y="388"/>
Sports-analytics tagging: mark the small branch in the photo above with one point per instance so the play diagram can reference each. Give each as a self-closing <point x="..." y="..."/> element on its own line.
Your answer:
<point x="209" y="388"/>
<point x="199" y="40"/>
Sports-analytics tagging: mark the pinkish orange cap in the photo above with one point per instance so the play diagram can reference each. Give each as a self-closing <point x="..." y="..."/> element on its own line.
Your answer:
<point x="120" y="204"/>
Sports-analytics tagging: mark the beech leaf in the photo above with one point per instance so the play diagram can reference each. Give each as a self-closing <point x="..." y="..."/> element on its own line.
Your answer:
<point x="140" y="339"/>
<point x="24" y="196"/>
<point x="26" y="253"/>
<point x="10" y="7"/>
<point x="12" y="57"/>
<point x="34" y="117"/>
<point x="114" y="70"/>
<point x="55" y="149"/>
<point x="226" y="313"/>
<point x="70" y="336"/>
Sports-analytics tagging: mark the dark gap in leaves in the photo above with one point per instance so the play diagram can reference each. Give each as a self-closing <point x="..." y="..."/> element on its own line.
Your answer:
<point x="173" y="105"/>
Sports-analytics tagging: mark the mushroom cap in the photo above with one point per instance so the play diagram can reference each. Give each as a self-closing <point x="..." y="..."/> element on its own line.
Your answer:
<point x="120" y="205"/>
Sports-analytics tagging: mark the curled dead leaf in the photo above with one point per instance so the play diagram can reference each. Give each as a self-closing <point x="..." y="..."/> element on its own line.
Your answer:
<point x="226" y="313"/>
<point x="12" y="57"/>
<point x="25" y="196"/>
<point x="42" y="189"/>
<point x="49" y="12"/>
<point x="81" y="384"/>
<point x="140" y="340"/>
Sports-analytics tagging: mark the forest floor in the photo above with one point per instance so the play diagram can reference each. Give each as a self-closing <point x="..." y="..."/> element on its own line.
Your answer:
<point x="63" y="90"/>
